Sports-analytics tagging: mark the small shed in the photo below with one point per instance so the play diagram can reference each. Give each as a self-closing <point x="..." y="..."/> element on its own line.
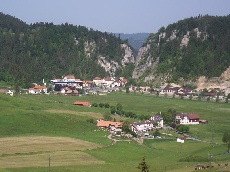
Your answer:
<point x="180" y="140"/>
<point x="82" y="103"/>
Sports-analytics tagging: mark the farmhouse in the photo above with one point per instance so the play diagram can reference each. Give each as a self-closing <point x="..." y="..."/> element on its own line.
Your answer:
<point x="144" y="126"/>
<point x="37" y="89"/>
<point x="110" y="125"/>
<point x="169" y="90"/>
<point x="184" y="118"/>
<point x="148" y="125"/>
<point x="157" y="118"/>
<point x="82" y="103"/>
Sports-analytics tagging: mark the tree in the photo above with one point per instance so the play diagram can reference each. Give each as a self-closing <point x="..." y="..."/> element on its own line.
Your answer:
<point x="107" y="116"/>
<point x="119" y="107"/>
<point x="157" y="133"/>
<point x="126" y="127"/>
<point x="226" y="139"/>
<point x="143" y="166"/>
<point x="183" y="128"/>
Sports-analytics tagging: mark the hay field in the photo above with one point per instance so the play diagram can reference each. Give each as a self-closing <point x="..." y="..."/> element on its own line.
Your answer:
<point x="35" y="151"/>
<point x="91" y="114"/>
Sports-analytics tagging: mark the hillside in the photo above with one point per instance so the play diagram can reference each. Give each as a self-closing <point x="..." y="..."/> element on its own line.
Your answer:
<point x="186" y="50"/>
<point x="136" y="40"/>
<point x="30" y="53"/>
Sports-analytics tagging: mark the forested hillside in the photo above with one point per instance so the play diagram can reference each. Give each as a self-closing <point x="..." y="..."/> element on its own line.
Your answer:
<point x="193" y="47"/>
<point x="29" y="53"/>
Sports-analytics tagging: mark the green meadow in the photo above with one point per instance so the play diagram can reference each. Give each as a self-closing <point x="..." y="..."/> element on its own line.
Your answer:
<point x="48" y="133"/>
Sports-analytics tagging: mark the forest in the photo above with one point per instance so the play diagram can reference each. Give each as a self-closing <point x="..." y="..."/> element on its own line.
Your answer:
<point x="206" y="54"/>
<point x="30" y="53"/>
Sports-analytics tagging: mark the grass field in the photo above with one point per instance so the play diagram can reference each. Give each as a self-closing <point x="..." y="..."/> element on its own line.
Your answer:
<point x="36" y="127"/>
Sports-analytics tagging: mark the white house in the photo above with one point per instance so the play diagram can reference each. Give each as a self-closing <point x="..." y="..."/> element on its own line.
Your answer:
<point x="187" y="118"/>
<point x="97" y="81"/>
<point x="157" y="118"/>
<point x="11" y="93"/>
<point x="180" y="140"/>
<point x="142" y="126"/>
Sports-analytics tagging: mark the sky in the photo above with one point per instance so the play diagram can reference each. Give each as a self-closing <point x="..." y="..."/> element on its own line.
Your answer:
<point x="116" y="16"/>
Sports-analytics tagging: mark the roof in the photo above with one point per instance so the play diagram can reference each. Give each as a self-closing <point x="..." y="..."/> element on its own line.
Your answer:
<point x="171" y="88"/>
<point x="190" y="116"/>
<point x="103" y="123"/>
<point x="81" y="103"/>
<point x="39" y="87"/>
<point x="69" y="77"/>
<point x="193" y="116"/>
<point x="97" y="78"/>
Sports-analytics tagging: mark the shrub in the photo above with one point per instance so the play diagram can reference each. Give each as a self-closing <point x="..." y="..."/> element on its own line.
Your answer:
<point x="94" y="105"/>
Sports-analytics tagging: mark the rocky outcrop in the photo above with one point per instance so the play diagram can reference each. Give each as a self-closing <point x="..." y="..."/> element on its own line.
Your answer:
<point x="225" y="76"/>
<point x="128" y="56"/>
<point x="185" y="40"/>
<point x="111" y="66"/>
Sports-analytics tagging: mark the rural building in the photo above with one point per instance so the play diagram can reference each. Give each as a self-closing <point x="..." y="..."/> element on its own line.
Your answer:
<point x="184" y="118"/>
<point x="113" y="126"/>
<point x="68" y="81"/>
<point x="180" y="140"/>
<point x="82" y="103"/>
<point x="157" y="118"/>
<point x="37" y="89"/>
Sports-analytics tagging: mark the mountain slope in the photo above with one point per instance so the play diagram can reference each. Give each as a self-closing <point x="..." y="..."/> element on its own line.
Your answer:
<point x="29" y="53"/>
<point x="193" y="47"/>
<point x="136" y="40"/>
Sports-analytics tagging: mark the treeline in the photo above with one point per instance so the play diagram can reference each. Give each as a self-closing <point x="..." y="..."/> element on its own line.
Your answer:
<point x="30" y="53"/>
<point x="207" y="54"/>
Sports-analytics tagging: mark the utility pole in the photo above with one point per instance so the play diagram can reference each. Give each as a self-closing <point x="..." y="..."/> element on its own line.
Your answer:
<point x="49" y="164"/>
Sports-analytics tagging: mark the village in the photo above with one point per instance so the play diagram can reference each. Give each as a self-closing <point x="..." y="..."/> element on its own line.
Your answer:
<point x="69" y="85"/>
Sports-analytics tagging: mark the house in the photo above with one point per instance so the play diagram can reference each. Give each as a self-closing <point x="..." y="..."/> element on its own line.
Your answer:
<point x="123" y="81"/>
<point x="108" y="81"/>
<point x="67" y="81"/>
<point x="82" y="103"/>
<point x="184" y="118"/>
<point x="180" y="140"/>
<point x="226" y="91"/>
<point x="38" y="89"/>
<point x="113" y="126"/>
<point x="97" y="81"/>
<point x="87" y="83"/>
<point x="10" y="92"/>
<point x="169" y="90"/>
<point x="139" y="127"/>
<point x="157" y="118"/>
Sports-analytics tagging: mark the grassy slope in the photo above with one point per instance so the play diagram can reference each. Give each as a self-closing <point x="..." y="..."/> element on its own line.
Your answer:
<point x="30" y="115"/>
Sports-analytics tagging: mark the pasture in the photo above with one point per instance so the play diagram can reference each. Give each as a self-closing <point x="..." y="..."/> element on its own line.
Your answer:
<point x="36" y="127"/>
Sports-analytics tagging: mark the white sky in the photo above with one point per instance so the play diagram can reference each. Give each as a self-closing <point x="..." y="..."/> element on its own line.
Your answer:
<point x="117" y="16"/>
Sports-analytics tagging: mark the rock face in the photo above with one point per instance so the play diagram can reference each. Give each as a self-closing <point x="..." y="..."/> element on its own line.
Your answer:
<point x="128" y="56"/>
<point x="111" y="66"/>
<point x="185" y="40"/>
<point x="140" y="68"/>
<point x="221" y="82"/>
<point x="225" y="75"/>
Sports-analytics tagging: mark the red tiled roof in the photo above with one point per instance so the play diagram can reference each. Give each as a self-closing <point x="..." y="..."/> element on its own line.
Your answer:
<point x="97" y="78"/>
<point x="107" y="78"/>
<point x="193" y="116"/>
<point x="103" y="123"/>
<point x="70" y="77"/>
<point x="39" y="87"/>
<point x="81" y="103"/>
